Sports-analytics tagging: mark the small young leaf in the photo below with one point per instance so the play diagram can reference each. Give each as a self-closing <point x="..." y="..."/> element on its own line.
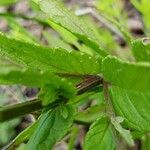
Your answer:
<point x="64" y="112"/>
<point x="59" y="88"/>
<point x="131" y="76"/>
<point x="99" y="136"/>
<point x="141" y="51"/>
<point x="52" y="127"/>
<point x="48" y="94"/>
<point x="123" y="132"/>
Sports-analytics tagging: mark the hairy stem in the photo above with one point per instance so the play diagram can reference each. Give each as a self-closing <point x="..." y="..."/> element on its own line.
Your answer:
<point x="20" y="109"/>
<point x="110" y="112"/>
<point x="109" y="107"/>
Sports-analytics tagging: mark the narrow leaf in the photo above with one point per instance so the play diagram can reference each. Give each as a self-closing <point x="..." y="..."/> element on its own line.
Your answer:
<point x="123" y="132"/>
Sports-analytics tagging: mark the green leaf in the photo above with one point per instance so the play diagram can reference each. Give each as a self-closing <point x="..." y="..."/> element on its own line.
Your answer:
<point x="123" y="132"/>
<point x="48" y="94"/>
<point x="52" y="127"/>
<point x="133" y="106"/>
<point x="99" y="136"/>
<point x="23" y="136"/>
<point x="141" y="51"/>
<point x="45" y="59"/>
<point x="64" y="112"/>
<point x="131" y="76"/>
<point x="58" y="14"/>
<point x="54" y="90"/>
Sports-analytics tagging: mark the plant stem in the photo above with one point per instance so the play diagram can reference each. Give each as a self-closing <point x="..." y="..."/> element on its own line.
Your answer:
<point x="110" y="112"/>
<point x="109" y="107"/>
<point x="13" y="111"/>
<point x="20" y="109"/>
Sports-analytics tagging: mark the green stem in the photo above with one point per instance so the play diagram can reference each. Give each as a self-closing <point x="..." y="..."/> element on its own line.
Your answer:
<point x="20" y="109"/>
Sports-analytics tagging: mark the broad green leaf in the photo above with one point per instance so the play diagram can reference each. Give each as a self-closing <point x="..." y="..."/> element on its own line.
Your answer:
<point x="141" y="51"/>
<point x="52" y="127"/>
<point x="133" y="106"/>
<point x="123" y="132"/>
<point x="58" y="14"/>
<point x="46" y="59"/>
<point x="99" y="136"/>
<point x="131" y="76"/>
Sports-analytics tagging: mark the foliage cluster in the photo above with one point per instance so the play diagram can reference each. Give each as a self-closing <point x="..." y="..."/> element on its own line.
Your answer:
<point x="81" y="65"/>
